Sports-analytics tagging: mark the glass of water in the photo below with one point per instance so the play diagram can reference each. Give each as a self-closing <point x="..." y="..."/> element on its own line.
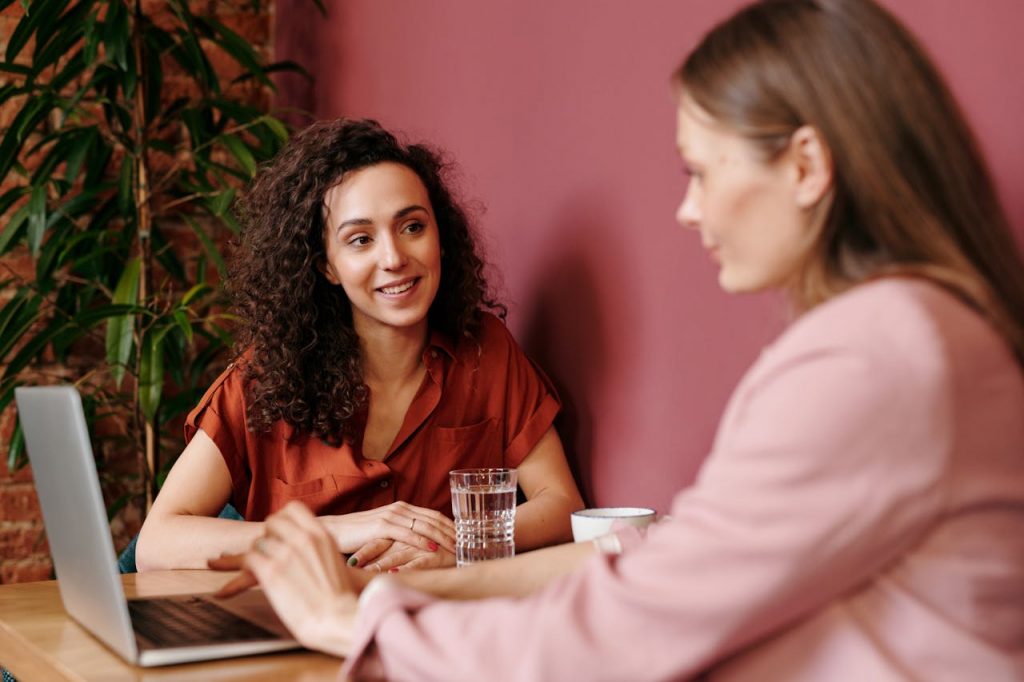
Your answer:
<point x="484" y="505"/>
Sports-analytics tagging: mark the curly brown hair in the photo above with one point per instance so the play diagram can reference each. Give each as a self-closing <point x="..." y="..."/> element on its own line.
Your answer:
<point x="296" y="344"/>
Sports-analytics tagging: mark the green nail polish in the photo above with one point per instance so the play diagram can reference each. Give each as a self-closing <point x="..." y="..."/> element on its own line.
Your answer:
<point x="353" y="560"/>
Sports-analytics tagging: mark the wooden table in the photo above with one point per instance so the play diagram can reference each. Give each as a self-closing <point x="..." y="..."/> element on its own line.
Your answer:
<point x="38" y="641"/>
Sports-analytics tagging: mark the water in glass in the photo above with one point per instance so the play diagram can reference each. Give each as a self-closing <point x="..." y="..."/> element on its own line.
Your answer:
<point x="484" y="505"/>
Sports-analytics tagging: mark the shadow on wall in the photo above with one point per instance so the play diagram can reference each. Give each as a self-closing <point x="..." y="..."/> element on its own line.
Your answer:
<point x="565" y="322"/>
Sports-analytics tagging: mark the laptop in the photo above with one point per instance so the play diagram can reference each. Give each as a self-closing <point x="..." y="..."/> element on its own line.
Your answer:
<point x="146" y="632"/>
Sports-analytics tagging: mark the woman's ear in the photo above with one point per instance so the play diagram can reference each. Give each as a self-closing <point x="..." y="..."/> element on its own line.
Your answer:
<point x="813" y="163"/>
<point x="327" y="271"/>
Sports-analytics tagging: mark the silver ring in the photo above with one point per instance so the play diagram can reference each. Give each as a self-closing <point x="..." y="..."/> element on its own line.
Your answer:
<point x="260" y="545"/>
<point x="411" y="525"/>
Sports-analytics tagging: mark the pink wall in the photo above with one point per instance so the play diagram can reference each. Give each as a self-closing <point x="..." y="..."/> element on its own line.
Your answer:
<point x="560" y="118"/>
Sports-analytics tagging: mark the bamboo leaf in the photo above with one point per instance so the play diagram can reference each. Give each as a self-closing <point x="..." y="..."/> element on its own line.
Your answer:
<point x="241" y="153"/>
<point x="36" y="218"/>
<point x="71" y="30"/>
<point x="119" y="329"/>
<point x="12" y="233"/>
<point x="151" y="381"/>
<point x="116" y="34"/>
<point x="181" y="318"/>
<point x="54" y="19"/>
<point x="92" y="39"/>
<point x="34" y="348"/>
<point x="276" y="127"/>
<point x="10" y="197"/>
<point x="72" y="70"/>
<point x="28" y="25"/>
<point x="13" y="313"/>
<point x="208" y="246"/>
<point x="25" y="121"/>
<point x="22" y="316"/>
<point x="50" y="253"/>
<point x="196" y="292"/>
<point x="17" y="69"/>
<point x="222" y="201"/>
<point x="90" y="318"/>
<point x="239" y="48"/>
<point x="79" y="147"/>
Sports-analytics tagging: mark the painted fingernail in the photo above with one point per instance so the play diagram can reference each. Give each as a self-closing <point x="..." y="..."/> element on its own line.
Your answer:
<point x="393" y="569"/>
<point x="432" y="545"/>
<point x="353" y="561"/>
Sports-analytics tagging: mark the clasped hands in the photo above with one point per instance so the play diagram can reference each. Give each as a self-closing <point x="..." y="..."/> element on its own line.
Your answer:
<point x="298" y="563"/>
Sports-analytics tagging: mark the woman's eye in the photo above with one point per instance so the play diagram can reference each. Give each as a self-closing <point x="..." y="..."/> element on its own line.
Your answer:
<point x="359" y="240"/>
<point x="414" y="228"/>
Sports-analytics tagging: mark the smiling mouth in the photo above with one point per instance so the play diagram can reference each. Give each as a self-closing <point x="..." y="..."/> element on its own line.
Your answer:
<point x="399" y="288"/>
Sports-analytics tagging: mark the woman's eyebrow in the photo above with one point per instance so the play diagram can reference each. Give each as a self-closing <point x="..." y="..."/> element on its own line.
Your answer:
<point x="410" y="209"/>
<point x="361" y="222"/>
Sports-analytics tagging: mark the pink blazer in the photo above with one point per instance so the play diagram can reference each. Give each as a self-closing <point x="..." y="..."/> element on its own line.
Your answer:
<point x="860" y="517"/>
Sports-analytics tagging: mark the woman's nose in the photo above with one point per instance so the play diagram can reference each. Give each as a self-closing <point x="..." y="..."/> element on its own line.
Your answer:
<point x="392" y="256"/>
<point x="688" y="213"/>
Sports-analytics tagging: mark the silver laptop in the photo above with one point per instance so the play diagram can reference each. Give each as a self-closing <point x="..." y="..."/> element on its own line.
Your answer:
<point x="146" y="632"/>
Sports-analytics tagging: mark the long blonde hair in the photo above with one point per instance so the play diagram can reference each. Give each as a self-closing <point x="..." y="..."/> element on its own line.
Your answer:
<point x="912" y="193"/>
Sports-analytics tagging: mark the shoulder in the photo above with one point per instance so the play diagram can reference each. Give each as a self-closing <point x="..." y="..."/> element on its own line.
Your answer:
<point x="491" y="339"/>
<point x="229" y="387"/>
<point x="882" y="338"/>
<point x="899" y="323"/>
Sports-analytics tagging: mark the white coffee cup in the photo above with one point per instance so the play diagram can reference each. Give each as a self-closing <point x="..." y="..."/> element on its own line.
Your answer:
<point x="588" y="524"/>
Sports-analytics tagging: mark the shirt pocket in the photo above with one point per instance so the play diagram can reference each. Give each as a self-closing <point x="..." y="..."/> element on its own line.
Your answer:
<point x="285" y="491"/>
<point x="469" y="447"/>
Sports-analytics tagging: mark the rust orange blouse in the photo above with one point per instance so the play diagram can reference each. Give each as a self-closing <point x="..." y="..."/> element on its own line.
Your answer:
<point x="481" y="404"/>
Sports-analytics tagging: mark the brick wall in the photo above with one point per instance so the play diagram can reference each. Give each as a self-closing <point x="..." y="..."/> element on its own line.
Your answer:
<point x="24" y="554"/>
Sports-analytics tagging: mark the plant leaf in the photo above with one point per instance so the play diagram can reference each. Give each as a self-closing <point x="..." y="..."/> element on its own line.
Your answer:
<point x="151" y="381"/>
<point x="36" y="219"/>
<point x="34" y="348"/>
<point x="208" y="246"/>
<point x="238" y="47"/>
<point x="25" y="121"/>
<point x="119" y="329"/>
<point x="222" y="201"/>
<point x="240" y="152"/>
<point x="181" y="318"/>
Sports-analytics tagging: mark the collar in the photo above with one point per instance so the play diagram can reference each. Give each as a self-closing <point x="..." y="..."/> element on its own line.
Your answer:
<point x="441" y="341"/>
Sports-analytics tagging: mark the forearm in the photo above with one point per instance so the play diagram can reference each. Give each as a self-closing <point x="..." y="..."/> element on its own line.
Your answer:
<point x="185" y="541"/>
<point x="545" y="520"/>
<point x="515" y="577"/>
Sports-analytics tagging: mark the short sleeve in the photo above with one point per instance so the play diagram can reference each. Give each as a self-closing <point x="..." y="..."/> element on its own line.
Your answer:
<point x="530" y="400"/>
<point x="221" y="415"/>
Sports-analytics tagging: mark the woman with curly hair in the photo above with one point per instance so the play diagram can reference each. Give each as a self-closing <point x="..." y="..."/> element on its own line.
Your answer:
<point x="366" y="368"/>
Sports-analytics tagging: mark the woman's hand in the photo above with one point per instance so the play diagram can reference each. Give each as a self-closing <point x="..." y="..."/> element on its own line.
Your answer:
<point x="418" y="527"/>
<point x="298" y="565"/>
<point x="385" y="555"/>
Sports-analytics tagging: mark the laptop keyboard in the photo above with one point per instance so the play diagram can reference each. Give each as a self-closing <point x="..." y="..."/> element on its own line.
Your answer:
<point x="190" y="621"/>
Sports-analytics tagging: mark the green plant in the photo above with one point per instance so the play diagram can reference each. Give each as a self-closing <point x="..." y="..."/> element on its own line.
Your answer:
<point x="126" y="143"/>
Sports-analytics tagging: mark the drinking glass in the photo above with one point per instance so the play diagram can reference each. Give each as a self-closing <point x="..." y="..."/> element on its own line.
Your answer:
<point x="484" y="505"/>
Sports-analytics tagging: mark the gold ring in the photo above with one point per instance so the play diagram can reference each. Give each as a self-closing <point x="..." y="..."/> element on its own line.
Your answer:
<point x="376" y="565"/>
<point x="411" y="525"/>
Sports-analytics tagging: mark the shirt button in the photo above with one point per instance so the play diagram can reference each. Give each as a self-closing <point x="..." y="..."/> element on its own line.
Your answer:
<point x="384" y="484"/>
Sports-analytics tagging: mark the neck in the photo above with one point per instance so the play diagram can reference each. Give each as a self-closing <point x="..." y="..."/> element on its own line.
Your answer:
<point x="391" y="356"/>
